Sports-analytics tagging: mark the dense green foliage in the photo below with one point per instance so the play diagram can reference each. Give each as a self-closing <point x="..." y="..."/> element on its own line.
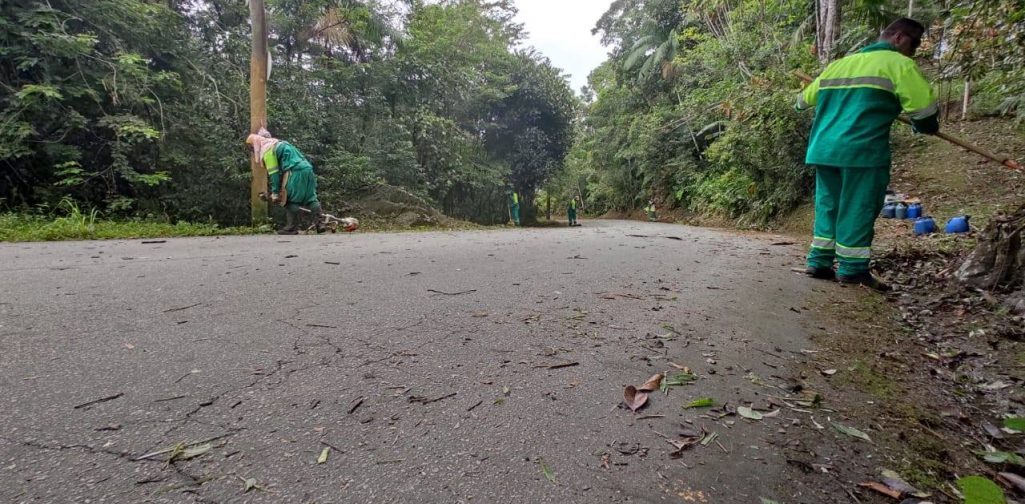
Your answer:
<point x="137" y="107"/>
<point x="694" y="107"/>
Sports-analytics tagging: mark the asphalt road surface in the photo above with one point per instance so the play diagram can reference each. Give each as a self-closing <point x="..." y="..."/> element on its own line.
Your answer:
<point x="478" y="367"/>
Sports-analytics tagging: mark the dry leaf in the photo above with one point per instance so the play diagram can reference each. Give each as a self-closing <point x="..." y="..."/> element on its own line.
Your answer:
<point x="323" y="455"/>
<point x="633" y="398"/>
<point x="749" y="413"/>
<point x="881" y="488"/>
<point x="652" y="384"/>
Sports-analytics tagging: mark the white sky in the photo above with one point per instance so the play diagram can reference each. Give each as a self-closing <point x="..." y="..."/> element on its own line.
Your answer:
<point x="561" y="30"/>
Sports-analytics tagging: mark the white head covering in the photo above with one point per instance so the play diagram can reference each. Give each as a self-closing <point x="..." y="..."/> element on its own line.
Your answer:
<point x="262" y="141"/>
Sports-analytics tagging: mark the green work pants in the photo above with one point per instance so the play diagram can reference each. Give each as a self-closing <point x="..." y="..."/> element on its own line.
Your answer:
<point x="571" y="213"/>
<point x="847" y="202"/>
<point x="514" y="209"/>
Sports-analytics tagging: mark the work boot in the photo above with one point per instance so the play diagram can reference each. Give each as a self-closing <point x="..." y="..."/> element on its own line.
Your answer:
<point x="290" y="224"/>
<point x="866" y="279"/>
<point x="820" y="273"/>
<point x="318" y="220"/>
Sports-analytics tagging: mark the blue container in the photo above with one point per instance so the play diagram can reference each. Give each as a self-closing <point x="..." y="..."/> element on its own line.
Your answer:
<point x="914" y="210"/>
<point x="924" y="226"/>
<point x="901" y="211"/>
<point x="889" y="211"/>
<point x="959" y="224"/>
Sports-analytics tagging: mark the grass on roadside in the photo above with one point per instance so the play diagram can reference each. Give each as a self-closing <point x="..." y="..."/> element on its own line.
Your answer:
<point x="74" y="224"/>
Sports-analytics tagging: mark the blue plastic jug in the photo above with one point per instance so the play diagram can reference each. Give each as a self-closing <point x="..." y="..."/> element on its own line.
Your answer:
<point x="959" y="224"/>
<point x="914" y="210"/>
<point x="924" y="226"/>
<point x="901" y="211"/>
<point x="889" y="211"/>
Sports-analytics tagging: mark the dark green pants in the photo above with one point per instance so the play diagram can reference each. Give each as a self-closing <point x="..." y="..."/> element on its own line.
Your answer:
<point x="847" y="202"/>
<point x="514" y="210"/>
<point x="571" y="213"/>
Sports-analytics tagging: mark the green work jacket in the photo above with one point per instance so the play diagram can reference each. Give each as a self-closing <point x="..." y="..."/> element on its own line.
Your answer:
<point x="857" y="99"/>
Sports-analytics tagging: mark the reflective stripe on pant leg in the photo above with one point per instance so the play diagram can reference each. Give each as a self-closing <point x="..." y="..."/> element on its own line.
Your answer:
<point x="828" y="186"/>
<point x="823" y="243"/>
<point x="863" y="193"/>
<point x="856" y="253"/>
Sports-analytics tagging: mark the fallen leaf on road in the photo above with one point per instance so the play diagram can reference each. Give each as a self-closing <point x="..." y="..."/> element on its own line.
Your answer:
<point x="851" y="431"/>
<point x="828" y="372"/>
<point x="546" y="471"/>
<point x="1013" y="480"/>
<point x="676" y="380"/>
<point x="633" y="398"/>
<point x="993" y="431"/>
<point x="653" y="384"/>
<point x="749" y="413"/>
<point x="250" y="483"/>
<point x="895" y="482"/>
<point x="769" y="501"/>
<point x="192" y="452"/>
<point x="881" y="488"/>
<point x="1016" y="424"/>
<point x="323" y="455"/>
<point x="685" y="369"/>
<point x="999" y="457"/>
<point x="506" y="391"/>
<point x="711" y="436"/>
<point x="980" y="490"/>
<point x="704" y="402"/>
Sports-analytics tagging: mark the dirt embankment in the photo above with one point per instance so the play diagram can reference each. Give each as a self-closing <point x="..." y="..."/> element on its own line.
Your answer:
<point x="932" y="371"/>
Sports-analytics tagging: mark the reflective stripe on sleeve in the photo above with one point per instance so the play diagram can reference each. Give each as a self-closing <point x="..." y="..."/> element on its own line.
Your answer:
<point x="926" y="112"/>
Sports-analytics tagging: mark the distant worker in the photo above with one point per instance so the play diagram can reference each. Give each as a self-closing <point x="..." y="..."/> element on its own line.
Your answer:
<point x="514" y="207"/>
<point x="288" y="169"/>
<point x="571" y="211"/>
<point x="857" y="99"/>
<point x="650" y="209"/>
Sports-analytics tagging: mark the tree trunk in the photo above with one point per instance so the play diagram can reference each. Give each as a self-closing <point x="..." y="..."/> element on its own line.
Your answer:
<point x="998" y="261"/>
<point x="967" y="95"/>
<point x="258" y="105"/>
<point x="827" y="28"/>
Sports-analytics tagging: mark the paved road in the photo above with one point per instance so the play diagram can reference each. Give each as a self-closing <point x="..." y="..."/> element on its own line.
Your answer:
<point x="421" y="361"/>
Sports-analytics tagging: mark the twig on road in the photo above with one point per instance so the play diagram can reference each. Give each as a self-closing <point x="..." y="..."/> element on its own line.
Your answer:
<point x="424" y="400"/>
<point x="100" y="400"/>
<point x="451" y="293"/>
<point x="183" y="308"/>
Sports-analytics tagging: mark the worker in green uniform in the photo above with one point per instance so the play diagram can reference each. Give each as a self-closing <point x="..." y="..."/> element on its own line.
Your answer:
<point x="571" y="211"/>
<point x="514" y="207"/>
<point x="650" y="210"/>
<point x="857" y="98"/>
<point x="288" y="169"/>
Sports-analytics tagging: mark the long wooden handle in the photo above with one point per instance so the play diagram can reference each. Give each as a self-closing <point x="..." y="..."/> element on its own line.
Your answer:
<point x="1008" y="162"/>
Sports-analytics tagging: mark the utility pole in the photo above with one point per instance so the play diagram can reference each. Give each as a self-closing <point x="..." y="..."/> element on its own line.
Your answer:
<point x="258" y="105"/>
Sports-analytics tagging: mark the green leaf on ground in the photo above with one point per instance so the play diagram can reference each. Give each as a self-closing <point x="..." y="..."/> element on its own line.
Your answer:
<point x="768" y="501"/>
<point x="999" y="457"/>
<point x="676" y="380"/>
<point x="323" y="455"/>
<point x="546" y="471"/>
<point x="980" y="490"/>
<point x="749" y="413"/>
<point x="704" y="402"/>
<point x="851" y="431"/>
<point x="250" y="483"/>
<point x="1016" y="424"/>
<point x="194" y="451"/>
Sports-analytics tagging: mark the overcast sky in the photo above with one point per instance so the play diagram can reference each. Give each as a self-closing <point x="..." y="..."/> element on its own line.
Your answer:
<point x="561" y="29"/>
